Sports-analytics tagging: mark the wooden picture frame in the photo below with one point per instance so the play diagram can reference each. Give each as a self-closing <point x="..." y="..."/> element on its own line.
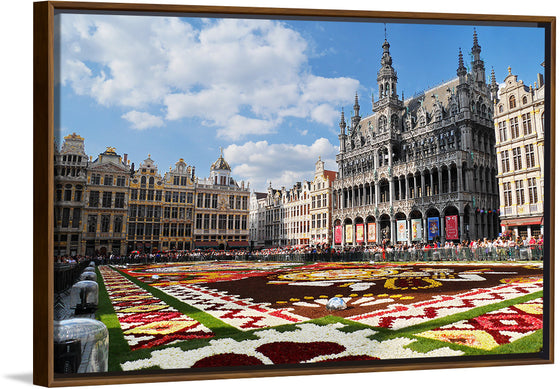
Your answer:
<point x="44" y="106"/>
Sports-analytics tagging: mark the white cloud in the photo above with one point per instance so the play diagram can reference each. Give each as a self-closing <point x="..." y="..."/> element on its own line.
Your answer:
<point x="239" y="77"/>
<point x="143" y="120"/>
<point x="282" y="164"/>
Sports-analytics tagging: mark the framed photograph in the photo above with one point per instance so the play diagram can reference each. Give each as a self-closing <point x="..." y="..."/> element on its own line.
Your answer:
<point x="231" y="192"/>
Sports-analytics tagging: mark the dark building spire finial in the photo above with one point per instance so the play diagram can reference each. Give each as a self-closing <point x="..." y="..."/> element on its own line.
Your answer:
<point x="461" y="70"/>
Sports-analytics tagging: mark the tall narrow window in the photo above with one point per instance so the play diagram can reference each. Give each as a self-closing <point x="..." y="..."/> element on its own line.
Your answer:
<point x="505" y="161"/>
<point x="107" y="198"/>
<point x="508" y="201"/>
<point x="519" y="192"/>
<point x="516" y="158"/>
<point x="94" y="199"/>
<point x="105" y="223"/>
<point x="118" y="224"/>
<point x="92" y="223"/>
<point x="76" y="216"/>
<point x="530" y="156"/>
<point x="514" y="127"/>
<point x="502" y="129"/>
<point x="532" y="186"/>
<point x="526" y="119"/>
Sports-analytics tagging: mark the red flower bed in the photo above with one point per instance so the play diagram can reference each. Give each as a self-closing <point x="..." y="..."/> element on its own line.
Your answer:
<point x="293" y="352"/>
<point x="229" y="359"/>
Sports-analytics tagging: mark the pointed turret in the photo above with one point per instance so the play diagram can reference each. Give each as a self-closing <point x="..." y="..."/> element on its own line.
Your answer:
<point x="356" y="118"/>
<point x="387" y="76"/>
<point x="493" y="87"/>
<point x="342" y="135"/>
<point x="461" y="70"/>
<point x="477" y="63"/>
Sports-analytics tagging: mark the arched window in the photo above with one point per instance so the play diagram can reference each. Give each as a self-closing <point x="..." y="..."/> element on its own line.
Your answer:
<point x="382" y="123"/>
<point x="501" y="108"/>
<point x="524" y="100"/>
<point x="394" y="122"/>
<point x="151" y="182"/>
<point x="512" y="102"/>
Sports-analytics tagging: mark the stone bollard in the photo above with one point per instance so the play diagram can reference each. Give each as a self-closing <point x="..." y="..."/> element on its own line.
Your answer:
<point x="84" y="297"/>
<point x="88" y="275"/>
<point x="80" y="346"/>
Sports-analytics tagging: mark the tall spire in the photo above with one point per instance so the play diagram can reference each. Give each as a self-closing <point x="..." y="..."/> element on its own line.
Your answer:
<point x="476" y="47"/>
<point x="356" y="118"/>
<point x="493" y="86"/>
<point x="461" y="70"/>
<point x="356" y="106"/>
<point x="478" y="71"/>
<point x="342" y="123"/>
<point x="386" y="76"/>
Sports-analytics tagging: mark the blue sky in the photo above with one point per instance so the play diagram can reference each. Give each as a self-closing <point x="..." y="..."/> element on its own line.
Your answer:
<point x="268" y="92"/>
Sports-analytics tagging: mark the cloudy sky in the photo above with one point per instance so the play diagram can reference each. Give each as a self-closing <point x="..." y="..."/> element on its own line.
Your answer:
<point x="269" y="92"/>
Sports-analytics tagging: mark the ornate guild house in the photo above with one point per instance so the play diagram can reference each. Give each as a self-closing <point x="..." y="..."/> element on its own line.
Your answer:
<point x="421" y="169"/>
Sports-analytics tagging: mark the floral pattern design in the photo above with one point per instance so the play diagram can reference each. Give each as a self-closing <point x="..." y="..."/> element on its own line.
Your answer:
<point x="145" y="320"/>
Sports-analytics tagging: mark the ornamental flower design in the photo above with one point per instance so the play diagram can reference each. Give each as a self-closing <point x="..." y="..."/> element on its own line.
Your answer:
<point x="493" y="329"/>
<point x="145" y="320"/>
<point x="308" y="343"/>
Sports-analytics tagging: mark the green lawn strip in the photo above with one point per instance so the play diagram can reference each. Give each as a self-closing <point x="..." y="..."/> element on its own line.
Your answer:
<point x="528" y="344"/>
<point x="220" y="328"/>
<point x="118" y="346"/>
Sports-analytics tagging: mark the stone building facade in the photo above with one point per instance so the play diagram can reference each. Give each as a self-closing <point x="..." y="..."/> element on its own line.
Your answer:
<point x="106" y="205"/>
<point x="70" y="164"/>
<point x="257" y="216"/>
<point x="420" y="169"/>
<point x="321" y="205"/>
<point x="221" y="210"/>
<point x="145" y="208"/>
<point x="296" y="204"/>
<point x="178" y="208"/>
<point x="519" y="125"/>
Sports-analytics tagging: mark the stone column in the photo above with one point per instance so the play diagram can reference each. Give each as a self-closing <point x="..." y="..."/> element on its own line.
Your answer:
<point x="407" y="189"/>
<point x="408" y="229"/>
<point x="391" y="183"/>
<point x="440" y="180"/>
<point x="393" y="235"/>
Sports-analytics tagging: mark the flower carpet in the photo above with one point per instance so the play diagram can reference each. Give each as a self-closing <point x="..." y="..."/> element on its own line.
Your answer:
<point x="220" y="314"/>
<point x="147" y="321"/>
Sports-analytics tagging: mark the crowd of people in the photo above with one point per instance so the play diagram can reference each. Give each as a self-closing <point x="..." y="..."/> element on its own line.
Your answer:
<point x="504" y="247"/>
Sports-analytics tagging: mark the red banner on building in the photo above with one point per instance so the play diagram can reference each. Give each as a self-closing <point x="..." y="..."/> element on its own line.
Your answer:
<point x="451" y="228"/>
<point x="371" y="233"/>
<point x="359" y="233"/>
<point x="337" y="234"/>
